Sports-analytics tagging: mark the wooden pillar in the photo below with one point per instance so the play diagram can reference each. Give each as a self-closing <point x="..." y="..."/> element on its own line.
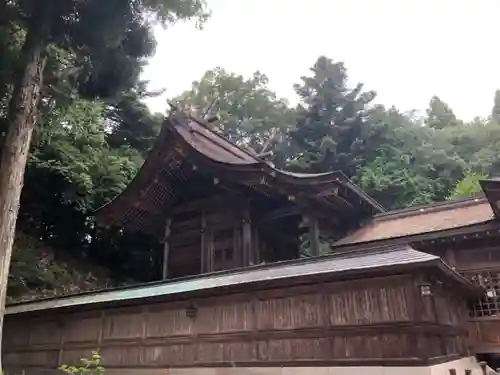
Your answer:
<point x="314" y="236"/>
<point x="203" y="247"/>
<point x="255" y="246"/>
<point x="246" y="237"/>
<point x="237" y="246"/>
<point x="166" y="248"/>
<point x="450" y="258"/>
<point x="210" y="251"/>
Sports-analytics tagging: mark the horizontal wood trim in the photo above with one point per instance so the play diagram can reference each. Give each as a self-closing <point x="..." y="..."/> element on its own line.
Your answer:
<point x="480" y="319"/>
<point x="341" y="362"/>
<point x="263" y="335"/>
<point x="214" y="200"/>
<point x="315" y="322"/>
<point x="484" y="348"/>
<point x="478" y="267"/>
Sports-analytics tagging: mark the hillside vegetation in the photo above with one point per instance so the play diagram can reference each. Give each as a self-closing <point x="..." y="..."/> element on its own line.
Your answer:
<point x="37" y="271"/>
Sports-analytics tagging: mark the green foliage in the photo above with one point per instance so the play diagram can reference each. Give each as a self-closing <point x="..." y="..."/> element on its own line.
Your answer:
<point x="73" y="146"/>
<point x="37" y="271"/>
<point x="131" y="125"/>
<point x="440" y="115"/>
<point x="87" y="366"/>
<point x="325" y="246"/>
<point x="468" y="186"/>
<point x="85" y="41"/>
<point x="406" y="163"/>
<point x="331" y="119"/>
<point x="93" y="130"/>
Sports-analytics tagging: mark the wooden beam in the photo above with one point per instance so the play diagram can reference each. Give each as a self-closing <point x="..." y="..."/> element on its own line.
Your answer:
<point x="212" y="200"/>
<point x="450" y="258"/>
<point x="237" y="246"/>
<point x="255" y="245"/>
<point x="203" y="247"/>
<point x="279" y="213"/>
<point x="210" y="250"/>
<point x="166" y="248"/>
<point x="335" y="200"/>
<point x="328" y="192"/>
<point x="320" y="206"/>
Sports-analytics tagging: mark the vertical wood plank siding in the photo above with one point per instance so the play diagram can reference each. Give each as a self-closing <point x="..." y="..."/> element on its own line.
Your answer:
<point x="336" y="322"/>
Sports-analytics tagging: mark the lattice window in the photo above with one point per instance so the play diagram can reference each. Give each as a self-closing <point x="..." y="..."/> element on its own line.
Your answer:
<point x="488" y="304"/>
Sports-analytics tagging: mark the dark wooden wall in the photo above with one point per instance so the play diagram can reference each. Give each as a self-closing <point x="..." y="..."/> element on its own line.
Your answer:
<point x="206" y="236"/>
<point x="478" y="259"/>
<point x="222" y="232"/>
<point x="372" y="321"/>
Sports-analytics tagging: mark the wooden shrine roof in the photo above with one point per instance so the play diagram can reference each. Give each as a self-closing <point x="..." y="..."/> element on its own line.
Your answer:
<point x="424" y="219"/>
<point x="491" y="189"/>
<point x="354" y="264"/>
<point x="186" y="146"/>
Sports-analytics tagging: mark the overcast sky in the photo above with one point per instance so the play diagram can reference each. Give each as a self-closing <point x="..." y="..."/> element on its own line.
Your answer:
<point x="405" y="50"/>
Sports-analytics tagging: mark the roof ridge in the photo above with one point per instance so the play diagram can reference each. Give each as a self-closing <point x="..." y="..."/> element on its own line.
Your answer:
<point x="432" y="207"/>
<point x="242" y="149"/>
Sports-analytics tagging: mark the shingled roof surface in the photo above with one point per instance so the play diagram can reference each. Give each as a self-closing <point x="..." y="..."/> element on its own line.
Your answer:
<point x="335" y="264"/>
<point x="419" y="220"/>
<point x="217" y="148"/>
<point x="212" y="145"/>
<point x="156" y="186"/>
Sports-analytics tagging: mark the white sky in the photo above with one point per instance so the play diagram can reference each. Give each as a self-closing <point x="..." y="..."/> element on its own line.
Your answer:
<point x="406" y="50"/>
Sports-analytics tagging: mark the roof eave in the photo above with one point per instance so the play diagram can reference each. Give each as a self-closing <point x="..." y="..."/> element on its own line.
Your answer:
<point x="54" y="303"/>
<point x="174" y="132"/>
<point x="470" y="288"/>
<point x="489" y="225"/>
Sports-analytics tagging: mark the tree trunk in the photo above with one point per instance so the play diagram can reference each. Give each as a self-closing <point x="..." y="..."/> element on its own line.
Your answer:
<point x="23" y="108"/>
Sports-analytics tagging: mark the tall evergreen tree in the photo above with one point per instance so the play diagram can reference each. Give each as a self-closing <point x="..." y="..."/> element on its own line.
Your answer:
<point x="331" y="118"/>
<point x="495" y="111"/>
<point x="90" y="30"/>
<point x="440" y="115"/>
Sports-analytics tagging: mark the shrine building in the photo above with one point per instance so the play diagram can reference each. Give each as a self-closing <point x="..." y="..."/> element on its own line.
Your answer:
<point x="413" y="290"/>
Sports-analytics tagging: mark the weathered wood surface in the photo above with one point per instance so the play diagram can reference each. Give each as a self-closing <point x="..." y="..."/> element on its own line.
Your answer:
<point x="478" y="259"/>
<point x="378" y="320"/>
<point x="206" y="236"/>
<point x="221" y="234"/>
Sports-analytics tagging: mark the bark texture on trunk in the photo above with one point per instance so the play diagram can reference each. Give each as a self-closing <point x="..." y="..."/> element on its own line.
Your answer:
<point x="23" y="108"/>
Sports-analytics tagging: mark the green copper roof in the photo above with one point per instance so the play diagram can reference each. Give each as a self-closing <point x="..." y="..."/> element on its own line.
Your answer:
<point x="337" y="263"/>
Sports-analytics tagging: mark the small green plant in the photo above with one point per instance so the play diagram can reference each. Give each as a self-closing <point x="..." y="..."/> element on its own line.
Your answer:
<point x="87" y="366"/>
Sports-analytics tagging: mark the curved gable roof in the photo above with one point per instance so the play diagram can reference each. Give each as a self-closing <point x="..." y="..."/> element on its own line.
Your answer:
<point x="185" y="138"/>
